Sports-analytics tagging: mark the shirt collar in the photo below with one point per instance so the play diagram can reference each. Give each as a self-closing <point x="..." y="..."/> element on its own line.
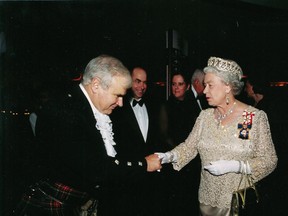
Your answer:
<point x="194" y="91"/>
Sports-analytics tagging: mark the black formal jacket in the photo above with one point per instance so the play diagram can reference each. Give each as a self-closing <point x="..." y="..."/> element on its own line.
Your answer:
<point x="178" y="118"/>
<point x="130" y="142"/>
<point x="140" y="189"/>
<point x="127" y="134"/>
<point x="72" y="150"/>
<point x="202" y="99"/>
<point x="181" y="118"/>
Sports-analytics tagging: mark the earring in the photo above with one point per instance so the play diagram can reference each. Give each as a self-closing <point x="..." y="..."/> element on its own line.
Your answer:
<point x="227" y="100"/>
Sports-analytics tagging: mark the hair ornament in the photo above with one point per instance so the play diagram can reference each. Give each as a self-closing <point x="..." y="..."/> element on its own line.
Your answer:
<point x="225" y="65"/>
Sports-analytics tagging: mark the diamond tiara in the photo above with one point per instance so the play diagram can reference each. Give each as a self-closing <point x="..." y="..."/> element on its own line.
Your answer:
<point x="225" y="65"/>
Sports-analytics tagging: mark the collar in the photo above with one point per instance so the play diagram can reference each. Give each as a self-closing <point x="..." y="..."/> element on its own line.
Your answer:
<point x="194" y="91"/>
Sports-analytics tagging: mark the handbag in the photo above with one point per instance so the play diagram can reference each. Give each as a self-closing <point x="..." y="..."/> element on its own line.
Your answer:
<point x="245" y="201"/>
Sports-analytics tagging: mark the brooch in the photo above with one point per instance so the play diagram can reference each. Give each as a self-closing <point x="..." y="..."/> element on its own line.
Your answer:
<point x="245" y="127"/>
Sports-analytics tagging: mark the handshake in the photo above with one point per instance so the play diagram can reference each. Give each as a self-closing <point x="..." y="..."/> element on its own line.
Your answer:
<point x="155" y="161"/>
<point x="219" y="167"/>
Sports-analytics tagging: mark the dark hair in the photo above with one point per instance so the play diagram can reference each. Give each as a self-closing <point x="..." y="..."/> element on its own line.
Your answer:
<point x="260" y="85"/>
<point x="183" y="74"/>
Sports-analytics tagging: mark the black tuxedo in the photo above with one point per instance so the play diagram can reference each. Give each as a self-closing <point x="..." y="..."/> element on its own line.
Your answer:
<point x="128" y="136"/>
<point x="202" y="99"/>
<point x="194" y="106"/>
<point x="131" y="146"/>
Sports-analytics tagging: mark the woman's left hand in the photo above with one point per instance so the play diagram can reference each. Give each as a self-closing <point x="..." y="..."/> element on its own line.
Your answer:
<point x="221" y="167"/>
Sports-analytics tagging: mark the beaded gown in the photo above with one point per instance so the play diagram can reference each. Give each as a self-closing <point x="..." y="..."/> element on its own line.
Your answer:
<point x="216" y="142"/>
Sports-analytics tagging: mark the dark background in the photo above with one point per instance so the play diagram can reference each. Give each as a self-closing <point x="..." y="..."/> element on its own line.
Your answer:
<point x="48" y="43"/>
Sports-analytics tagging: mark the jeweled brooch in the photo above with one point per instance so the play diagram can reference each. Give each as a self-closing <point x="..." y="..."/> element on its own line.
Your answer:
<point x="246" y="126"/>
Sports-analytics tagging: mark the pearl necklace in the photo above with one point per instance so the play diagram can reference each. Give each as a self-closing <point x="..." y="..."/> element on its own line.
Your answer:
<point x="220" y="117"/>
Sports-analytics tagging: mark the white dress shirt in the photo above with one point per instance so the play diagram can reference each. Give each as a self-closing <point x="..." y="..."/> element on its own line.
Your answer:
<point x="142" y="118"/>
<point x="195" y="94"/>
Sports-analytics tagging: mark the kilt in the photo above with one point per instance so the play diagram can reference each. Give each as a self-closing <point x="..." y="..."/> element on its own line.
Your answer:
<point x="47" y="199"/>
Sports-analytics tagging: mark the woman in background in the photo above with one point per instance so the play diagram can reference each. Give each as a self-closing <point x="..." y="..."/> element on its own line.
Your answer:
<point x="178" y="116"/>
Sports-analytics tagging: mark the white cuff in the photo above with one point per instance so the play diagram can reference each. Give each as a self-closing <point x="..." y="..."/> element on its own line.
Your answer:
<point x="167" y="157"/>
<point x="245" y="168"/>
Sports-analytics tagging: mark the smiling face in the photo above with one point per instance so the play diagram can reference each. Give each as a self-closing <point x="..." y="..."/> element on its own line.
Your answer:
<point x="179" y="87"/>
<point x="139" y="82"/>
<point x="105" y="100"/>
<point x="215" y="90"/>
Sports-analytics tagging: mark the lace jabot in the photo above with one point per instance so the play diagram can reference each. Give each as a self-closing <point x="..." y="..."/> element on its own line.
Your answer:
<point x="104" y="125"/>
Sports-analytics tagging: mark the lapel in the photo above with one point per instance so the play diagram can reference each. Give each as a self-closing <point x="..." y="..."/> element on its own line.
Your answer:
<point x="132" y="121"/>
<point x="204" y="103"/>
<point x="195" y="102"/>
<point x="150" y="119"/>
<point x="80" y="110"/>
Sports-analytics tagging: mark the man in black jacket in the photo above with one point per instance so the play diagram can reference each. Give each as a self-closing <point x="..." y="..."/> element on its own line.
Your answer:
<point x="79" y="162"/>
<point x="135" y="128"/>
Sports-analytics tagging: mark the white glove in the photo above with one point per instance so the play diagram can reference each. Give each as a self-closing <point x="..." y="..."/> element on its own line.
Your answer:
<point x="167" y="157"/>
<point x="221" y="167"/>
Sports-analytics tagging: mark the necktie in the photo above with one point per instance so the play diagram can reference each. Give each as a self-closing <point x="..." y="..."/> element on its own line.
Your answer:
<point x="140" y="102"/>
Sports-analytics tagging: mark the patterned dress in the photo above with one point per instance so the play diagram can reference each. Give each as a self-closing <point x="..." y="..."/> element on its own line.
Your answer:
<point x="247" y="138"/>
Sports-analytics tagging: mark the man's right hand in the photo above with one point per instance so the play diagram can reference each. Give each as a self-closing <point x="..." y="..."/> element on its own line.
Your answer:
<point x="153" y="162"/>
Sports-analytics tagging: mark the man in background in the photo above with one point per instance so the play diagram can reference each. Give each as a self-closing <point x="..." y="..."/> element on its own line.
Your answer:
<point x="197" y="88"/>
<point x="136" y="134"/>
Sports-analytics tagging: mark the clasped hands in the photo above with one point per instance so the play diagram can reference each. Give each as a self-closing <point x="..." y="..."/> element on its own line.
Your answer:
<point x="219" y="167"/>
<point x="155" y="160"/>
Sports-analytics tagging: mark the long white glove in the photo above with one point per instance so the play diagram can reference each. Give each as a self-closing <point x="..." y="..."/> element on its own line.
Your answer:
<point x="167" y="157"/>
<point x="221" y="167"/>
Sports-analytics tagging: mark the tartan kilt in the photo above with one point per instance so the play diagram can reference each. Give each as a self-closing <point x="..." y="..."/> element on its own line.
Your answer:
<point x="45" y="198"/>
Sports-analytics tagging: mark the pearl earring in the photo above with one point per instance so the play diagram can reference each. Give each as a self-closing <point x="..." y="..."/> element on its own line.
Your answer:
<point x="227" y="100"/>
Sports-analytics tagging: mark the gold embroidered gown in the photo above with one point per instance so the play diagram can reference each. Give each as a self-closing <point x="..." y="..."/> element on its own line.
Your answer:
<point x="214" y="142"/>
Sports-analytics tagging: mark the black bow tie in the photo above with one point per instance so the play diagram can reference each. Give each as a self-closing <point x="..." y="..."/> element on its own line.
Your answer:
<point x="140" y="102"/>
<point x="200" y="97"/>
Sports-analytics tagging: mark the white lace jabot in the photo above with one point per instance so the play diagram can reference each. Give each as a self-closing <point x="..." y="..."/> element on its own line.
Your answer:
<point x="104" y="125"/>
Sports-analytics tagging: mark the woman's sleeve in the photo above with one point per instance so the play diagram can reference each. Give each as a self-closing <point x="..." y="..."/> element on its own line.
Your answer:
<point x="264" y="160"/>
<point x="187" y="150"/>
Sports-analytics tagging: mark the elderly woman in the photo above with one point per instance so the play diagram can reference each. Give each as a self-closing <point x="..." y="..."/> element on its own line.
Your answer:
<point x="232" y="138"/>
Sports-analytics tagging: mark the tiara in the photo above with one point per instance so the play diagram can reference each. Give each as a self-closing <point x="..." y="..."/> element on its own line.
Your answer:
<point x="225" y="65"/>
